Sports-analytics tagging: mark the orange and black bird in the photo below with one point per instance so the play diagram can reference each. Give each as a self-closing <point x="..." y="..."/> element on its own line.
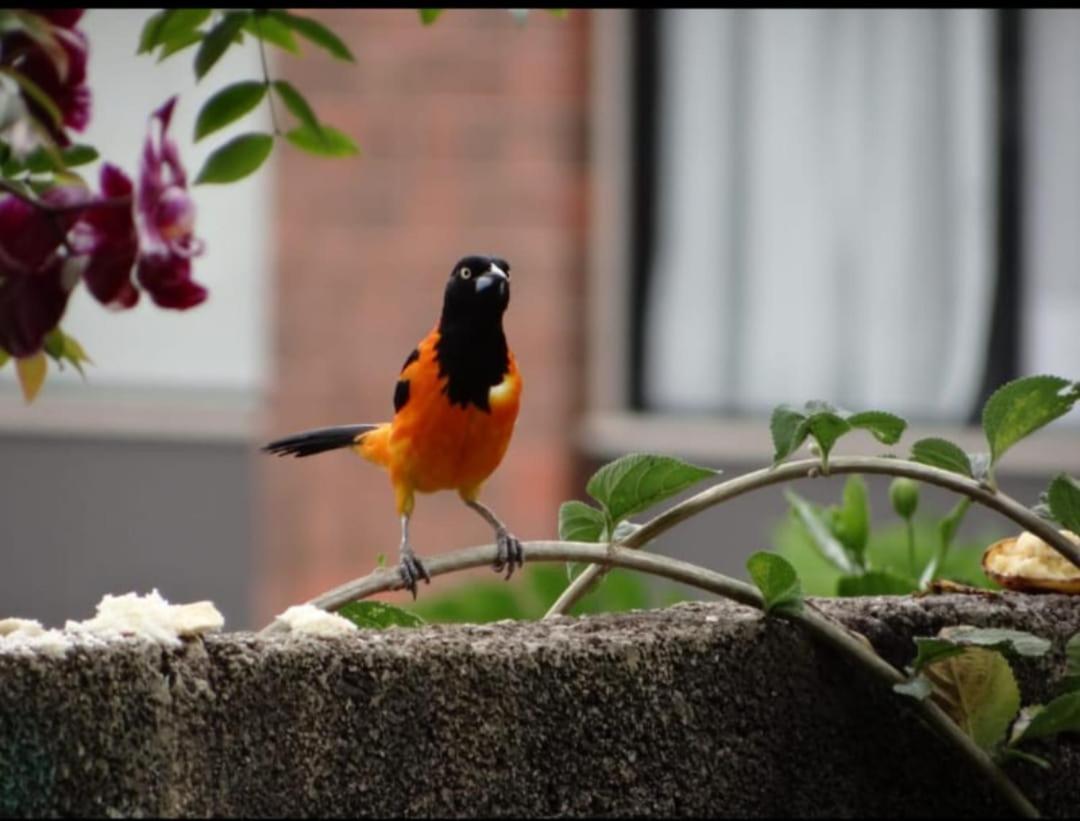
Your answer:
<point x="455" y="404"/>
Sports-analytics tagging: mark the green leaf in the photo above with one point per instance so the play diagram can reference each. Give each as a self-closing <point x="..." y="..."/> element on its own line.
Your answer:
<point x="1062" y="715"/>
<point x="1007" y="753"/>
<point x="429" y="16"/>
<point x="579" y="522"/>
<point x="777" y="581"/>
<point x="941" y="453"/>
<point x="1072" y="662"/>
<point x="227" y="106"/>
<point x="947" y="528"/>
<point x="1063" y="496"/>
<point x="560" y="13"/>
<point x="826" y="427"/>
<point x="236" y="159"/>
<point x="851" y="521"/>
<point x="180" y="43"/>
<point x="789" y="430"/>
<point x="1022" y="406"/>
<point x="887" y="428"/>
<point x="994" y="638"/>
<point x="4" y="357"/>
<point x="76" y="155"/>
<point x="333" y="143"/>
<point x="820" y="532"/>
<point x="875" y="583"/>
<point x="299" y="108"/>
<point x="377" y="615"/>
<point x="218" y="40"/>
<point x="916" y="687"/>
<point x="315" y="32"/>
<point x="54" y="343"/>
<point x="978" y="690"/>
<point x="638" y="481"/>
<point x="271" y="30"/>
<point x="148" y="38"/>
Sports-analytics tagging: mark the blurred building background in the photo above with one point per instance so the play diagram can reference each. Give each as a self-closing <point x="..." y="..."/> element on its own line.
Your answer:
<point x="708" y="213"/>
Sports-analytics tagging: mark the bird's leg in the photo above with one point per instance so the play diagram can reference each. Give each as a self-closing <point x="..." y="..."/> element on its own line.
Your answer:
<point x="412" y="569"/>
<point x="510" y="553"/>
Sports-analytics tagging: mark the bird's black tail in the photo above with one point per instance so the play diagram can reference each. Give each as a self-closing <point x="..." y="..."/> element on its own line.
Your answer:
<point x="319" y="440"/>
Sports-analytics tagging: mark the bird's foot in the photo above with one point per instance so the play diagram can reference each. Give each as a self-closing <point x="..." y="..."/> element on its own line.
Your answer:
<point x="510" y="555"/>
<point x="412" y="570"/>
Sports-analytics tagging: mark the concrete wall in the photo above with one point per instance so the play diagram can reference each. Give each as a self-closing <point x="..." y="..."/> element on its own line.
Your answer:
<point x="701" y="709"/>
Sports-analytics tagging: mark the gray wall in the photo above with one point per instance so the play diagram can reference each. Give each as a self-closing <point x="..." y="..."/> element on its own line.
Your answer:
<point x="81" y="517"/>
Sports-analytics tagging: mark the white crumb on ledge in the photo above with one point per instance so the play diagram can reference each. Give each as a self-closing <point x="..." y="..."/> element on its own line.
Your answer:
<point x="314" y="621"/>
<point x="150" y="617"/>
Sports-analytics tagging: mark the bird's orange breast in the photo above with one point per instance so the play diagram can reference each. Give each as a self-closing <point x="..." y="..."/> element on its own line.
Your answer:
<point x="436" y="445"/>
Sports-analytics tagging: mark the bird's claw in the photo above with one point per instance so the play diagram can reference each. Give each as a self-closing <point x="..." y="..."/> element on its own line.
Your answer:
<point x="412" y="570"/>
<point x="510" y="555"/>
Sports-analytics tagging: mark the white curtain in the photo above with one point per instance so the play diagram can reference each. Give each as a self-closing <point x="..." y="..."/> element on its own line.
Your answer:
<point x="825" y="210"/>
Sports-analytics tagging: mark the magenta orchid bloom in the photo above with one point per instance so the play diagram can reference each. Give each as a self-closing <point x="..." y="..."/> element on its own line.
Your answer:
<point x="166" y="218"/>
<point x="107" y="235"/>
<point x="68" y="90"/>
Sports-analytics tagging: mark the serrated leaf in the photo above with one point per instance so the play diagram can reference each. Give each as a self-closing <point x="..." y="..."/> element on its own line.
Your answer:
<point x="227" y="106"/>
<point x="875" y="583"/>
<point x="634" y="483"/>
<point x="315" y="32"/>
<point x="821" y="536"/>
<point x="826" y="427"/>
<point x="332" y="144"/>
<point x="1022" y="406"/>
<point x="579" y="522"/>
<point x="1063" y="497"/>
<point x="851" y="521"/>
<point x="377" y="615"/>
<point x="916" y="687"/>
<point x="789" y="430"/>
<point x="31" y="371"/>
<point x="299" y="108"/>
<point x="952" y="639"/>
<point x="218" y="40"/>
<point x="235" y="160"/>
<point x="271" y="30"/>
<point x="429" y="16"/>
<point x="941" y="453"/>
<point x="1062" y="715"/>
<point x="179" y="43"/>
<point x="978" y="690"/>
<point x="777" y="580"/>
<point x="887" y="428"/>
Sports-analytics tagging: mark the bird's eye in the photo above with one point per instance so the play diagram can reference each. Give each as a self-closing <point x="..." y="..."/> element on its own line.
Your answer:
<point x="464" y="273"/>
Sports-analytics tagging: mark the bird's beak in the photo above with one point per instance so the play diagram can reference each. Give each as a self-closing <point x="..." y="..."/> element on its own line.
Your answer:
<point x="493" y="276"/>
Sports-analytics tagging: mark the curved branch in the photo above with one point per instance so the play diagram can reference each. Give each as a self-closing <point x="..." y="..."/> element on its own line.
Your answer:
<point x="809" y="468"/>
<point x="851" y="644"/>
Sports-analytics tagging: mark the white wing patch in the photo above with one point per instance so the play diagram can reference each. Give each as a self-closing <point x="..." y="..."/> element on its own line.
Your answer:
<point x="500" y="393"/>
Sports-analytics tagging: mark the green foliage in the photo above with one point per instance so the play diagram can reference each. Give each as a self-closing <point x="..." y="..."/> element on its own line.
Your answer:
<point x="1022" y="406"/>
<point x="1063" y="497"/>
<point x="378" y="615"/>
<point x="841" y="533"/>
<point x="238" y="158"/>
<point x="826" y="424"/>
<point x="875" y="583"/>
<point x="941" y="453"/>
<point x="271" y="30"/>
<point x="217" y="41"/>
<point x="228" y="105"/>
<point x="951" y="641"/>
<point x="777" y="581"/>
<point x="579" y="522"/>
<point x="886" y="551"/>
<point x="1062" y="715"/>
<point x="634" y="483"/>
<point x="299" y="108"/>
<point x="429" y="16"/>
<point x="328" y="142"/>
<point x="978" y="690"/>
<point x="904" y="496"/>
<point x="315" y="32"/>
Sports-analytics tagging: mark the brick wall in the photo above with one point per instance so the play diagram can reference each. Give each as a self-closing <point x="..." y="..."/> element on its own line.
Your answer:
<point x="473" y="140"/>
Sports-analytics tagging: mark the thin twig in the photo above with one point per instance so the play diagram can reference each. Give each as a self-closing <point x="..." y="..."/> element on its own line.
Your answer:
<point x="854" y="646"/>
<point x="808" y="468"/>
<point x="257" y="17"/>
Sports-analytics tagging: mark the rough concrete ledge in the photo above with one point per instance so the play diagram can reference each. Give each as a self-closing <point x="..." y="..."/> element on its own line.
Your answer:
<point x="700" y="709"/>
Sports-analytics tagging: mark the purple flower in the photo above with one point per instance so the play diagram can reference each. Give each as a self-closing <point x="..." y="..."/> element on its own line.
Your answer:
<point x="166" y="219"/>
<point x="66" y="88"/>
<point x="107" y="235"/>
<point x="36" y="277"/>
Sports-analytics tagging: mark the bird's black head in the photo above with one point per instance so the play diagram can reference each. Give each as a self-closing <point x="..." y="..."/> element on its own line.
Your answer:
<point x="478" y="290"/>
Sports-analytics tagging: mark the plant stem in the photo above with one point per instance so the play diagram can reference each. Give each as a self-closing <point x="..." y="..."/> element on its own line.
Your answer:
<point x="809" y="468"/>
<point x="256" y="16"/>
<point x="850" y="644"/>
<point x="49" y="208"/>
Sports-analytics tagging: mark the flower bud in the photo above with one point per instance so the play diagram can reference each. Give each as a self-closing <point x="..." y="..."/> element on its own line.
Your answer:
<point x="904" y="495"/>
